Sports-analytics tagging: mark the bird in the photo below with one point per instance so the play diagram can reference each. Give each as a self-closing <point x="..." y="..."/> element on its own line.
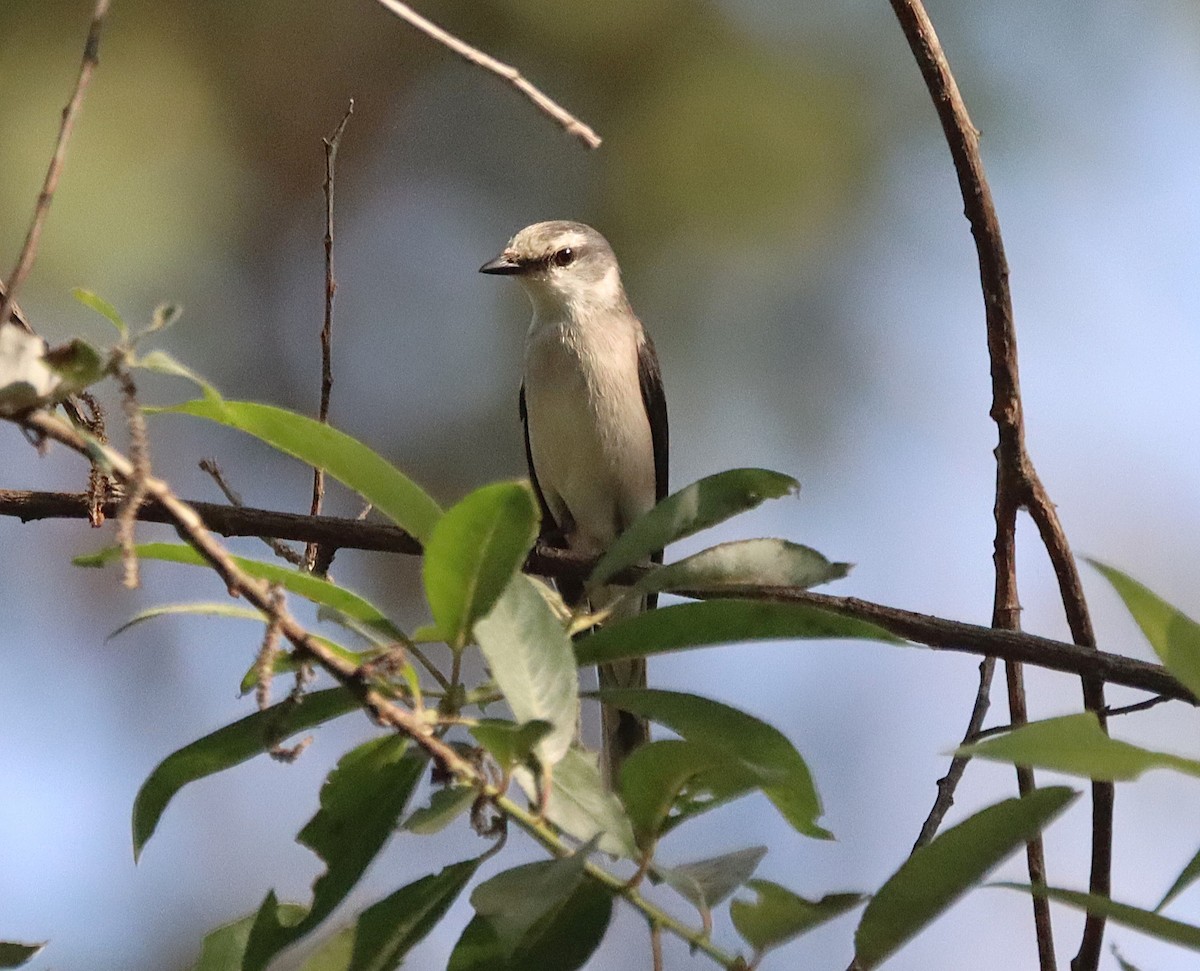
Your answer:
<point x="595" y="421"/>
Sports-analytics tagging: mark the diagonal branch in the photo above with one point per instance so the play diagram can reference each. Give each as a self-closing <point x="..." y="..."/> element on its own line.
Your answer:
<point x="473" y="55"/>
<point x="91" y="57"/>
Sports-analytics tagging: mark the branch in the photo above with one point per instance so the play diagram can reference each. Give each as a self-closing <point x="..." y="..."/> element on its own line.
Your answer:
<point x="1017" y="482"/>
<point x="313" y="553"/>
<point x="510" y="74"/>
<point x="91" y="57"/>
<point x="934" y="632"/>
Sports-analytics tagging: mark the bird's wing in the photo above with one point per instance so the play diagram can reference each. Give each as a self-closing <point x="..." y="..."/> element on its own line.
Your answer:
<point x="549" y="524"/>
<point x="650" y="379"/>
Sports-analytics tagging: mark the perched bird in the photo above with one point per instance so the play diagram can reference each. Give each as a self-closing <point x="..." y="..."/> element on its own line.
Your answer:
<point x="594" y="414"/>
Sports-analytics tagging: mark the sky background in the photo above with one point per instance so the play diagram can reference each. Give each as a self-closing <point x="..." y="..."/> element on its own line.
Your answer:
<point x="775" y="183"/>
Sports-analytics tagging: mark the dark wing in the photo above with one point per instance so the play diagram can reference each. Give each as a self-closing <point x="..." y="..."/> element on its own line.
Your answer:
<point x="650" y="379"/>
<point x="549" y="525"/>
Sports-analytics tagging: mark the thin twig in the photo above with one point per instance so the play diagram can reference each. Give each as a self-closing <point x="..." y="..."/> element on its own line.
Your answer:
<point x="313" y="552"/>
<point x="91" y="57"/>
<point x="279" y="548"/>
<point x="948" y="783"/>
<point x="139" y="453"/>
<point x="510" y="74"/>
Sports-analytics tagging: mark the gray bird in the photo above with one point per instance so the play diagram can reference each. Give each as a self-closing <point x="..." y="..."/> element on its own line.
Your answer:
<point x="594" y="414"/>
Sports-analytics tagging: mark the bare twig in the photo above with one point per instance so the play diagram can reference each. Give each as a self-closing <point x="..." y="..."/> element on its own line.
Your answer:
<point x="279" y="548"/>
<point x="948" y="783"/>
<point x="91" y="57"/>
<point x="139" y="453"/>
<point x="312" y="552"/>
<point x="510" y="74"/>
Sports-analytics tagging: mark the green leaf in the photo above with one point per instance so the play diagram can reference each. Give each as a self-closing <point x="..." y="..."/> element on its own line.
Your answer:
<point x="361" y="802"/>
<point x="778" y="915"/>
<point x="1186" y="878"/>
<point x="691" y="509"/>
<point x="530" y="657"/>
<point x="544" y="915"/>
<point x="227" y="747"/>
<point x="707" y="882"/>
<point x="313" y="588"/>
<point x="77" y="365"/>
<point x="652" y="778"/>
<point x="709" y="789"/>
<point x="750" y="562"/>
<point x="224" y="948"/>
<point x="1076" y="745"/>
<point x="582" y="806"/>
<point x="102" y="307"/>
<point x="763" y="751"/>
<point x="1146" y="921"/>
<point x="389" y="929"/>
<point x="508" y="743"/>
<point x="473" y="553"/>
<point x="1174" y="636"/>
<point x="515" y="900"/>
<point x="333" y="953"/>
<point x="13" y="954"/>
<point x="943" y="870"/>
<point x="689" y="625"/>
<point x="165" y="314"/>
<point x="163" y="363"/>
<point x="445" y="806"/>
<point x="319" y="445"/>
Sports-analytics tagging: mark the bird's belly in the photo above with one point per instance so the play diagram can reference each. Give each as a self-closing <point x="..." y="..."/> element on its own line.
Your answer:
<point x="592" y="455"/>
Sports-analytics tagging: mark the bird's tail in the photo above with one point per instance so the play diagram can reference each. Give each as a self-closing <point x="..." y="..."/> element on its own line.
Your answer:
<point x="621" y="731"/>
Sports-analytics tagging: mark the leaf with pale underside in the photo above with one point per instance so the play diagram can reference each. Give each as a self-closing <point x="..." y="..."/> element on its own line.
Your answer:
<point x="582" y="806"/>
<point x="530" y="657"/>
<point x="707" y="882"/>
<point x="691" y="509"/>
<point x="744" y="563"/>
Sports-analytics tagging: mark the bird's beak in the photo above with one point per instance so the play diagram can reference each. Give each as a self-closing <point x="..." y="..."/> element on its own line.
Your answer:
<point x="503" y="264"/>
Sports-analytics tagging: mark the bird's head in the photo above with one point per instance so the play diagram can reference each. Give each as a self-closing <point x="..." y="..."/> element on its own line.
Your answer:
<point x="563" y="266"/>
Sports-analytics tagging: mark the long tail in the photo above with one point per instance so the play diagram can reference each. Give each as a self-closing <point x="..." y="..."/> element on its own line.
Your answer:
<point x="621" y="732"/>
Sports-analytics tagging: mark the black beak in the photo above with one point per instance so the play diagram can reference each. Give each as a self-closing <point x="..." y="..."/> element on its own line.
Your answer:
<point x="503" y="265"/>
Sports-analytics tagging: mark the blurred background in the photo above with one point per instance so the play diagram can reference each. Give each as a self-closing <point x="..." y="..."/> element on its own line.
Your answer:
<point x="776" y="185"/>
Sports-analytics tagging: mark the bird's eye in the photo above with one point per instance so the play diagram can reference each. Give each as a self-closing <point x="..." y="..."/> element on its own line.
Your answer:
<point x="564" y="257"/>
